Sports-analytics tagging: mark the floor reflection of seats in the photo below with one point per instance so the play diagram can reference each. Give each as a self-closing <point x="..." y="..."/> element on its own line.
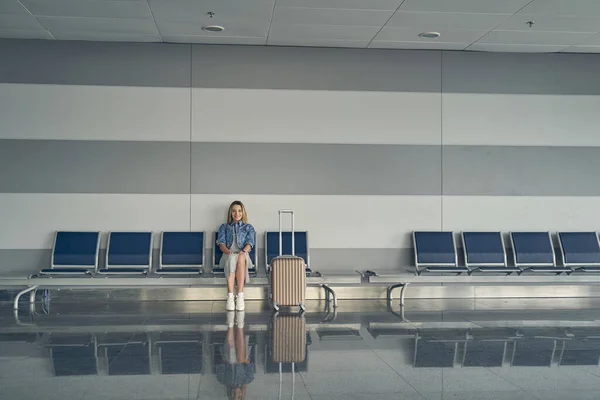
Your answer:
<point x="338" y="334"/>
<point x="580" y="352"/>
<point x="486" y="347"/>
<point x="533" y="352"/>
<point x="125" y="354"/>
<point x="437" y="348"/>
<point x="484" y="353"/>
<point x="180" y="353"/>
<point x="73" y="355"/>
<point x="431" y="354"/>
<point x="18" y="337"/>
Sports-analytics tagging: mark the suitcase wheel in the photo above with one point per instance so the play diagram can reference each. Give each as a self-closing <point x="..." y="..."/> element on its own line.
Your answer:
<point x="276" y="306"/>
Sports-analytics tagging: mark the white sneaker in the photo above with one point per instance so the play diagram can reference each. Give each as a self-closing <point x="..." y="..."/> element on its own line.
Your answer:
<point x="239" y="302"/>
<point x="230" y="302"/>
<point x="230" y="319"/>
<point x="240" y="316"/>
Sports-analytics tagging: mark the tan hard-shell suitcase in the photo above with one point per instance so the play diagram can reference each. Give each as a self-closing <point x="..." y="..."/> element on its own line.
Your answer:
<point x="288" y="274"/>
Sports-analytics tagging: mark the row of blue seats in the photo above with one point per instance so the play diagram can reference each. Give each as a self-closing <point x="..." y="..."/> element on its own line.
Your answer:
<point x="77" y="252"/>
<point x="486" y="252"/>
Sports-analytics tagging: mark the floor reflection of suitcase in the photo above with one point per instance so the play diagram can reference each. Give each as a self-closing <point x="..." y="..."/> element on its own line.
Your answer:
<point x="288" y="274"/>
<point x="289" y="339"/>
<point x="289" y="344"/>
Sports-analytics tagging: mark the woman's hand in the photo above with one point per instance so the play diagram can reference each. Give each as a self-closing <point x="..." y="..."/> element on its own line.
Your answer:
<point x="224" y="249"/>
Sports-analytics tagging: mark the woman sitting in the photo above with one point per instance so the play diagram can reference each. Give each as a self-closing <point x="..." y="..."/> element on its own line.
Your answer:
<point x="235" y="239"/>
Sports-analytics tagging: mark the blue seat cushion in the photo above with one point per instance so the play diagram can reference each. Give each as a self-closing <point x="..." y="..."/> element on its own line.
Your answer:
<point x="435" y="248"/>
<point x="532" y="248"/>
<point x="580" y="247"/>
<point x="449" y="269"/>
<point x="65" y="271"/>
<point x="484" y="247"/>
<point x="115" y="270"/>
<point x="129" y="248"/>
<point x="182" y="270"/>
<point x="75" y="248"/>
<point x="499" y="268"/>
<point x="182" y="248"/>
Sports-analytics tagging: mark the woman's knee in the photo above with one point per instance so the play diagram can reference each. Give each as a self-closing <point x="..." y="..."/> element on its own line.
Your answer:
<point x="242" y="260"/>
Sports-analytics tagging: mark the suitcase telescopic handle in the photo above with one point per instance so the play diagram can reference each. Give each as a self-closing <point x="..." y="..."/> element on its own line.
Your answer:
<point x="291" y="212"/>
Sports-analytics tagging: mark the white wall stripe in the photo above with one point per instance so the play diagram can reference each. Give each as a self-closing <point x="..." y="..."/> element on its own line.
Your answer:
<point x="316" y="116"/>
<point x="71" y="112"/>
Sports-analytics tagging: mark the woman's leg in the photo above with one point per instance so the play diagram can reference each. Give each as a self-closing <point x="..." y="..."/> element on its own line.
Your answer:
<point x="240" y="272"/>
<point x="230" y="282"/>
<point x="228" y="348"/>
<point x="240" y="345"/>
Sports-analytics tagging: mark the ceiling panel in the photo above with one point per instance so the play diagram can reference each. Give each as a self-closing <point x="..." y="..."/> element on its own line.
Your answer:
<point x="210" y="4"/>
<point x="240" y="29"/>
<point x="343" y="4"/>
<point x="78" y="8"/>
<point x="106" y="37"/>
<point x="412" y="35"/>
<point x="563" y="7"/>
<point x="19" y="22"/>
<point x="318" y="16"/>
<point x="494" y="25"/>
<point x="20" y="34"/>
<point x="550" y="23"/>
<point x="380" y="44"/>
<point x="318" y="42"/>
<point x="194" y="11"/>
<point x="533" y="38"/>
<point x="515" y="48"/>
<point x="12" y="7"/>
<point x="214" y="39"/>
<point x="336" y="32"/>
<point x="114" y="25"/>
<point x="465" y="6"/>
<point x="430" y="21"/>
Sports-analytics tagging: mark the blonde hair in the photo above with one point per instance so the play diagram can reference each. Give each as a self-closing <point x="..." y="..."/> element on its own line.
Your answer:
<point x="236" y="392"/>
<point x="244" y="214"/>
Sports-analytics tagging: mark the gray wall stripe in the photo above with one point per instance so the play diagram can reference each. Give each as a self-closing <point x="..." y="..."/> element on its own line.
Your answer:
<point x="95" y="63"/>
<point x="521" y="171"/>
<point x="51" y="166"/>
<point x="502" y="73"/>
<point x="300" y="68"/>
<point x="295" y="68"/>
<point x="253" y="168"/>
<point x="55" y="166"/>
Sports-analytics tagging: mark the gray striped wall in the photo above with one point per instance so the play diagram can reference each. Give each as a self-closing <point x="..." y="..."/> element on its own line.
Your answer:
<point x="466" y="156"/>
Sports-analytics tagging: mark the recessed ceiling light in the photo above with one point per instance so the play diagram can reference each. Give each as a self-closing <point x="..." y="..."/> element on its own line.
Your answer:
<point x="429" y="35"/>
<point x="213" y="28"/>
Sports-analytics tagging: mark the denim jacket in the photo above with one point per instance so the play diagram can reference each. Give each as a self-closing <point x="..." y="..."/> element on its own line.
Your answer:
<point x="244" y="234"/>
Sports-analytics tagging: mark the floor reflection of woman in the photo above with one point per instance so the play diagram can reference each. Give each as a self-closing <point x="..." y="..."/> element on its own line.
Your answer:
<point x="237" y="369"/>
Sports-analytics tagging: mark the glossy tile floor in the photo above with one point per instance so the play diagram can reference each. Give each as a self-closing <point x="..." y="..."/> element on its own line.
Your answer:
<point x="455" y="349"/>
